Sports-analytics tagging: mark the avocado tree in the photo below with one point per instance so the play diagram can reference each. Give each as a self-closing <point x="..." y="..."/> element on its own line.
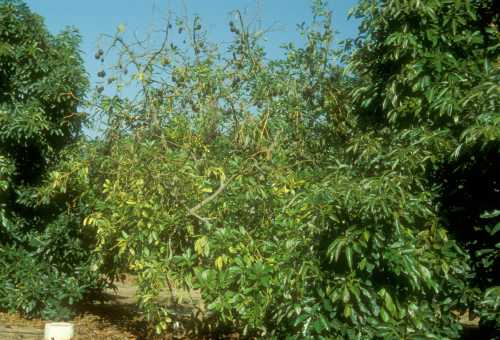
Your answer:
<point x="435" y="66"/>
<point x="43" y="258"/>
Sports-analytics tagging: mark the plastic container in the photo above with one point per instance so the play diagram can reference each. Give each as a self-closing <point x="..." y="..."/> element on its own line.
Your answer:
<point x="59" y="331"/>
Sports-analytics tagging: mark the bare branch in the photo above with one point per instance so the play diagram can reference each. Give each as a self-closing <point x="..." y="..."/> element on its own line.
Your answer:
<point x="223" y="185"/>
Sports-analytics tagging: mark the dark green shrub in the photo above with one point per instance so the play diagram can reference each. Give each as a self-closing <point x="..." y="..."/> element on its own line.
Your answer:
<point x="34" y="287"/>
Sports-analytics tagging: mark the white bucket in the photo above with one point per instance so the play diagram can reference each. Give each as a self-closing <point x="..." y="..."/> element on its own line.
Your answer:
<point x="59" y="331"/>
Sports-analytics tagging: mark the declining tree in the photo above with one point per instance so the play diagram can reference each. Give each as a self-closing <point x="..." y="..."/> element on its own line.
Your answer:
<point x="295" y="210"/>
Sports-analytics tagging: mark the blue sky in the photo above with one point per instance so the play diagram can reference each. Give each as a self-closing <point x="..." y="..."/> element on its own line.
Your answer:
<point x="95" y="17"/>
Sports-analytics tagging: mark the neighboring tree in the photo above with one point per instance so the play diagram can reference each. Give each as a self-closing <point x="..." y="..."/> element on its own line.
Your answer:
<point x="435" y="65"/>
<point x="44" y="261"/>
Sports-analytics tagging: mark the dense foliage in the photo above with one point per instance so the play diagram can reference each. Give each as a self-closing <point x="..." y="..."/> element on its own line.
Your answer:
<point x="44" y="259"/>
<point x="301" y="198"/>
<point x="436" y="64"/>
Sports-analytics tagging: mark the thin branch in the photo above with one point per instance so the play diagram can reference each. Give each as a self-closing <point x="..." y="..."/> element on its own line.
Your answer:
<point x="223" y="185"/>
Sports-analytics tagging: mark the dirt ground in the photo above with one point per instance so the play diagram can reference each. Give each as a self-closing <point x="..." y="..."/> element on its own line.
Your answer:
<point x="116" y="318"/>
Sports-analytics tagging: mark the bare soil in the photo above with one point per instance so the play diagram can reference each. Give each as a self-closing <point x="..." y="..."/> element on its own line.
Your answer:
<point x="116" y="317"/>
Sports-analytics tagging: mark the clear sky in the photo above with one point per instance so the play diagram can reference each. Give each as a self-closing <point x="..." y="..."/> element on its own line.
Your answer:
<point x="95" y="17"/>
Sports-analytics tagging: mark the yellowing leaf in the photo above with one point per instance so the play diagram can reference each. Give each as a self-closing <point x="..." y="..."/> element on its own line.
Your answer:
<point x="201" y="246"/>
<point x="347" y="311"/>
<point x="219" y="262"/>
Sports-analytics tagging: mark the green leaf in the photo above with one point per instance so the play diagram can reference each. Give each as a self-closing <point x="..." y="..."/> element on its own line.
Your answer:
<point x="389" y="304"/>
<point x="383" y="314"/>
<point x="347" y="311"/>
<point x="349" y="256"/>
<point x="346" y="296"/>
